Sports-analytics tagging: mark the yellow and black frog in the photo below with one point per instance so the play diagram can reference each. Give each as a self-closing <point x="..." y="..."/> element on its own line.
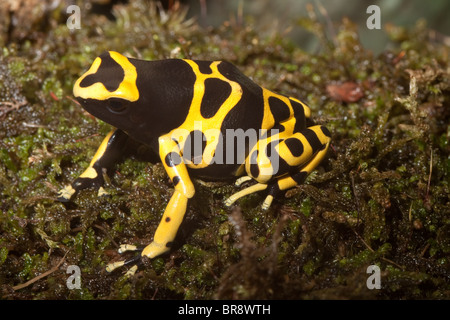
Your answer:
<point x="203" y="119"/>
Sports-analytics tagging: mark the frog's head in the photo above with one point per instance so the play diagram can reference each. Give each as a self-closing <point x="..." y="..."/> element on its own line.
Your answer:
<point x="108" y="90"/>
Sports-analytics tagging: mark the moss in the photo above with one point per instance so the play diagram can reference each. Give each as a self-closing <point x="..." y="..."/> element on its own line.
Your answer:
<point x="381" y="196"/>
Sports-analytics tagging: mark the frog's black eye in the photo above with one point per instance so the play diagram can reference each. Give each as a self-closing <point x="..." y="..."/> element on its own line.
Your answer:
<point x="117" y="105"/>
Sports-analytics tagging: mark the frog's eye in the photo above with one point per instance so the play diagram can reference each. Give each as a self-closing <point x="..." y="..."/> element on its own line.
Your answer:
<point x="117" y="105"/>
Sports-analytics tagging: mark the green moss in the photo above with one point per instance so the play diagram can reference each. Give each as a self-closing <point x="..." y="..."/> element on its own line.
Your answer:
<point x="3" y="255"/>
<point x="306" y="206"/>
<point x="27" y="265"/>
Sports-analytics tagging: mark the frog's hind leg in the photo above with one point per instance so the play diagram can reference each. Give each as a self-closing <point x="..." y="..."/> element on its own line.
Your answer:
<point x="295" y="178"/>
<point x="291" y="160"/>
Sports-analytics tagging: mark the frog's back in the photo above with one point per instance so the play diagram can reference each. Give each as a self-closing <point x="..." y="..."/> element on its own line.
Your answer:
<point x="168" y="88"/>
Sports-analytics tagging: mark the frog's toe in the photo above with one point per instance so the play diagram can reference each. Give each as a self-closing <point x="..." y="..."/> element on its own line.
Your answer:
<point x="241" y="180"/>
<point x="103" y="193"/>
<point x="229" y="201"/>
<point x="267" y="202"/>
<point x="135" y="261"/>
<point x="65" y="194"/>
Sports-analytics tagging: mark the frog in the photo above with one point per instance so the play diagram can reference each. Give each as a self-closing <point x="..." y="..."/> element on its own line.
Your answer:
<point x="202" y="120"/>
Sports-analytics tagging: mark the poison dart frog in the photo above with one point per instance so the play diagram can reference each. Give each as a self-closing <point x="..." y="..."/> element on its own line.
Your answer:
<point x="202" y="119"/>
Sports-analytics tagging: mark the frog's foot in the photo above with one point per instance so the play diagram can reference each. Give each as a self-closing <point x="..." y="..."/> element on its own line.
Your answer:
<point x="135" y="261"/>
<point x="163" y="238"/>
<point x="152" y="250"/>
<point x="66" y="193"/>
<point x="254" y="188"/>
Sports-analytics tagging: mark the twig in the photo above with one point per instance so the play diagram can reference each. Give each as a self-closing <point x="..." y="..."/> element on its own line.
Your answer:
<point x="324" y="13"/>
<point x="431" y="170"/>
<point x="43" y="275"/>
<point x="107" y="234"/>
<point x="356" y="197"/>
<point x="410" y="212"/>
<point x="203" y="8"/>
<point x="422" y="253"/>
<point x="371" y="250"/>
<point x="8" y="106"/>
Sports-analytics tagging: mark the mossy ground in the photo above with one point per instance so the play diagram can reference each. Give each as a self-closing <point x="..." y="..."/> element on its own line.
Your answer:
<point x="381" y="197"/>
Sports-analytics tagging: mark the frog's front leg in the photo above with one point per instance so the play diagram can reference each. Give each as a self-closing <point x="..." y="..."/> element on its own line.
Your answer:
<point x="108" y="154"/>
<point x="174" y="213"/>
<point x="168" y="227"/>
